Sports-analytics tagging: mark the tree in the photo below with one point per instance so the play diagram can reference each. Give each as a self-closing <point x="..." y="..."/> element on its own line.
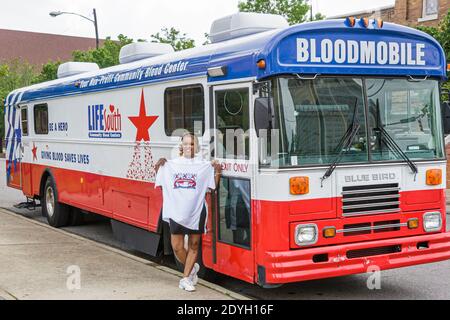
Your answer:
<point x="14" y="74"/>
<point x="295" y="11"/>
<point x="173" y="37"/>
<point x="105" y="56"/>
<point x="49" y="72"/>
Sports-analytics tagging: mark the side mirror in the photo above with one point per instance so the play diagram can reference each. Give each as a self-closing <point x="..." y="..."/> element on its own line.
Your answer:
<point x="262" y="114"/>
<point x="445" y="109"/>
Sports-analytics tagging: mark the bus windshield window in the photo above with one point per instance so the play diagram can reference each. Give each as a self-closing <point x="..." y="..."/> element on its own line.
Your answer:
<point x="313" y="116"/>
<point x="408" y="112"/>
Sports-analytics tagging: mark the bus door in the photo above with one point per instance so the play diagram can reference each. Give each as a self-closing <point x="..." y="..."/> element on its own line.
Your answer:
<point x="232" y="215"/>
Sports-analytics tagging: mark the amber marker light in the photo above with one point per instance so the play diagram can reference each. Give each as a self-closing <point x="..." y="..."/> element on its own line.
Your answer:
<point x="329" y="232"/>
<point x="434" y="177"/>
<point x="299" y="185"/>
<point x="448" y="67"/>
<point x="413" y="223"/>
<point x="261" y="64"/>
<point x="365" y="22"/>
<point x="351" y="21"/>
<point x="380" y="23"/>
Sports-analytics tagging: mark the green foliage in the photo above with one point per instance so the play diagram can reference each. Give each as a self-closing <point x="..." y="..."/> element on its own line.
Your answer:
<point x="442" y="34"/>
<point x="173" y="37"/>
<point x="295" y="11"/>
<point x="14" y="74"/>
<point x="319" y="16"/>
<point x="105" y="56"/>
<point x="49" y="72"/>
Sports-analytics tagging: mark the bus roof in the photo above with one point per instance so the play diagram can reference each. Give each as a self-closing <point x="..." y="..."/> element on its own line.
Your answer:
<point x="330" y="47"/>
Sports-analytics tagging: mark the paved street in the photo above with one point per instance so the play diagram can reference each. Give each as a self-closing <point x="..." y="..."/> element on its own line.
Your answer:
<point x="431" y="281"/>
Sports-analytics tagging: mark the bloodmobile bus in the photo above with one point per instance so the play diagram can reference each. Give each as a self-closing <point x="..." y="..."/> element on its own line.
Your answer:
<point x="330" y="136"/>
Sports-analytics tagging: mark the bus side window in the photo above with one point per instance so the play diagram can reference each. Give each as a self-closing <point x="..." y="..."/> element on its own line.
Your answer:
<point x="41" y="118"/>
<point x="184" y="108"/>
<point x="24" y="120"/>
<point x="233" y="123"/>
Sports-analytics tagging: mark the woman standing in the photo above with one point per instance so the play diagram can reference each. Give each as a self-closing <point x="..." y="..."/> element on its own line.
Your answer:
<point x="184" y="182"/>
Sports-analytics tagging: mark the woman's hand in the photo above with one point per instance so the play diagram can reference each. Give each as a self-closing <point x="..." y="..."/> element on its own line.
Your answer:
<point x="217" y="167"/>
<point x="160" y="163"/>
<point x="217" y="171"/>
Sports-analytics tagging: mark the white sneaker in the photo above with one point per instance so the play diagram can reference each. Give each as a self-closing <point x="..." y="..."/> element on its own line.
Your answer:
<point x="193" y="276"/>
<point x="186" y="284"/>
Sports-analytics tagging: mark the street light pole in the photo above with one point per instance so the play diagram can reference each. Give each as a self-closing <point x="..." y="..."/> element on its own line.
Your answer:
<point x="58" y="13"/>
<point x="96" y="28"/>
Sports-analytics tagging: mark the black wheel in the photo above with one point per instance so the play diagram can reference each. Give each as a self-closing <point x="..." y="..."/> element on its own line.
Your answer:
<point x="57" y="213"/>
<point x="76" y="217"/>
<point x="204" y="273"/>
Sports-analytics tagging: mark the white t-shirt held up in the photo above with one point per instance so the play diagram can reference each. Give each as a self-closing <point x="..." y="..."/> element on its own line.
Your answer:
<point x="184" y="184"/>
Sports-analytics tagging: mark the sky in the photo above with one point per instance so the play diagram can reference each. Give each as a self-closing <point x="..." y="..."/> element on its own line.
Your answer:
<point x="139" y="19"/>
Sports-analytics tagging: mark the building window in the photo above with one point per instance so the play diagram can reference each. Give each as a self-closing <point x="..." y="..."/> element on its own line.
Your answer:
<point x="24" y="120"/>
<point x="430" y="10"/>
<point x="41" y="119"/>
<point x="184" y="108"/>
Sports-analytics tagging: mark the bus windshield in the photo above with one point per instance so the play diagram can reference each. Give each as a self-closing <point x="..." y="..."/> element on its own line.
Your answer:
<point x="314" y="115"/>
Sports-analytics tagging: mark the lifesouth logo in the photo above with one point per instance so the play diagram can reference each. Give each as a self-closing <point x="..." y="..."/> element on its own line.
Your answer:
<point x="360" y="52"/>
<point x="185" y="181"/>
<point x="104" y="122"/>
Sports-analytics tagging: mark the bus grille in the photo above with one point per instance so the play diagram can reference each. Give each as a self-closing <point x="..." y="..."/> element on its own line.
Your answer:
<point x="370" y="199"/>
<point x="370" y="252"/>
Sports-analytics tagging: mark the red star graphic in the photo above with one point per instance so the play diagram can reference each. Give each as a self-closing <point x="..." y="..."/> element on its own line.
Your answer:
<point x="34" y="150"/>
<point x="143" y="122"/>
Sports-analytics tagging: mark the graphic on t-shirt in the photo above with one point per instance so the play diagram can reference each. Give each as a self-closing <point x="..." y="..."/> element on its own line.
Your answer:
<point x="185" y="181"/>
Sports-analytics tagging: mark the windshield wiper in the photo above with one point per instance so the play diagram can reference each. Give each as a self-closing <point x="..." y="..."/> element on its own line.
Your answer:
<point x="390" y="142"/>
<point x="345" y="143"/>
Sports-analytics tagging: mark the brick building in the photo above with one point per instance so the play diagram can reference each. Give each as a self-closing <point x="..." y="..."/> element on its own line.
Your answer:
<point x="407" y="12"/>
<point x="39" y="48"/>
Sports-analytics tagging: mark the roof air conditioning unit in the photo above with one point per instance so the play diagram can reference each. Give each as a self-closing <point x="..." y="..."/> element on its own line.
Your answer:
<point x="143" y="50"/>
<point x="243" y="24"/>
<point x="72" y="68"/>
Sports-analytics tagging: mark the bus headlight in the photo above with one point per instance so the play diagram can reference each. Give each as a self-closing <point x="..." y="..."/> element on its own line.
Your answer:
<point x="432" y="221"/>
<point x="305" y="234"/>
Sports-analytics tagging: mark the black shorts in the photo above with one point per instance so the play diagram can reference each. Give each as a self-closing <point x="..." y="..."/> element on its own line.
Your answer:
<point x="176" y="228"/>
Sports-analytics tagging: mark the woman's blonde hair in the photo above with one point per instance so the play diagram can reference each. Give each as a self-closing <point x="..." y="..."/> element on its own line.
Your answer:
<point x="196" y="143"/>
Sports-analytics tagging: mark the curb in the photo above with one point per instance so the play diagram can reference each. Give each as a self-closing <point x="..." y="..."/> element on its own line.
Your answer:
<point x="202" y="282"/>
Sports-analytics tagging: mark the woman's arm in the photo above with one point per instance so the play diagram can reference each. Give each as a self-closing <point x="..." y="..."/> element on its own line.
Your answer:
<point x="160" y="163"/>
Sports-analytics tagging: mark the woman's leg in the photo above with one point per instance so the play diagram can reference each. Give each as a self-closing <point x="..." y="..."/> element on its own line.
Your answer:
<point x="177" y="241"/>
<point x="192" y="254"/>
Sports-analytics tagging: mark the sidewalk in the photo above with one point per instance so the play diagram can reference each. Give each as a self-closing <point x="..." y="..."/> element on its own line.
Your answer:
<point x="35" y="259"/>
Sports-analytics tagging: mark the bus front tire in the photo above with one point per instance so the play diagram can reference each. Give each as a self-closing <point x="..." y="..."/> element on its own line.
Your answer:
<point x="57" y="213"/>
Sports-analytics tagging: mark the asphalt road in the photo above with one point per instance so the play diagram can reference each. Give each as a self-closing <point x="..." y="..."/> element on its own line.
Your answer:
<point x="430" y="281"/>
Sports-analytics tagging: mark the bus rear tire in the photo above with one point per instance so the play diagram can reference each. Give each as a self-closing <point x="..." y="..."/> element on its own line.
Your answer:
<point x="57" y="213"/>
<point x="76" y="217"/>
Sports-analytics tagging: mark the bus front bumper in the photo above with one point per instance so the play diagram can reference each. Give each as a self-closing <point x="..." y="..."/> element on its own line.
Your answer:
<point x="340" y="260"/>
